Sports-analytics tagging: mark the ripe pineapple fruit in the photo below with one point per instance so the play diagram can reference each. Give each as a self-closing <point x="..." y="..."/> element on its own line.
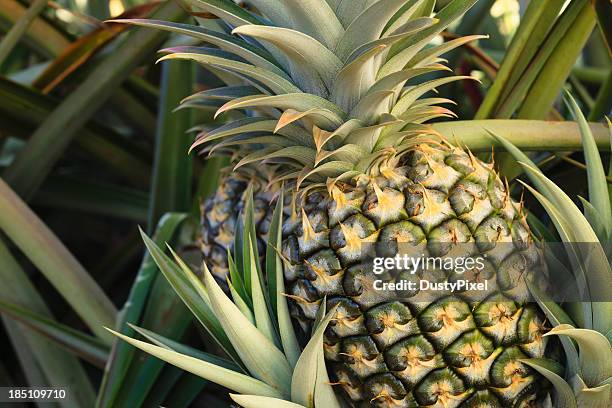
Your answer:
<point x="341" y="117"/>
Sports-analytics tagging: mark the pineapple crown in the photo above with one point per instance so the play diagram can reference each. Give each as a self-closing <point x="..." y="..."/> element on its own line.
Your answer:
<point x="323" y="82"/>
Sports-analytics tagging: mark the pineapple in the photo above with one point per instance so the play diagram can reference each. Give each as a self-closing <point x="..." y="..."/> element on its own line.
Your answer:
<point x="333" y="108"/>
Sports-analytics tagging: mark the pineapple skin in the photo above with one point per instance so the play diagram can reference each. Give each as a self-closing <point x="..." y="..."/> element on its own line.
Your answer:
<point x="456" y="351"/>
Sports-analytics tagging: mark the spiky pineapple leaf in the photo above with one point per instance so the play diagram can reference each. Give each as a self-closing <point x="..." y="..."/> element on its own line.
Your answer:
<point x="241" y="303"/>
<point x="256" y="401"/>
<point x="310" y="383"/>
<point x="596" y="262"/>
<point x="170" y="344"/>
<point x="225" y="9"/>
<point x="44" y="249"/>
<point x="305" y="16"/>
<point x="589" y="268"/>
<point x="557" y="316"/>
<point x="250" y="53"/>
<point x="199" y="306"/>
<point x="411" y="28"/>
<point x="592" y="397"/>
<point x="565" y="396"/>
<point x="265" y="361"/>
<point x="237" y="281"/>
<point x="368" y="26"/>
<point x="297" y="101"/>
<point x="355" y="79"/>
<point x="450" y="13"/>
<point x="261" y="310"/>
<point x="299" y="48"/>
<point x="276" y="285"/>
<point x="256" y="75"/>
<point x="82" y="345"/>
<point x="416" y="92"/>
<point x="595" y="219"/>
<point x="225" y="377"/>
<point x="595" y="353"/>
<point x="596" y="176"/>
<point x="224" y="93"/>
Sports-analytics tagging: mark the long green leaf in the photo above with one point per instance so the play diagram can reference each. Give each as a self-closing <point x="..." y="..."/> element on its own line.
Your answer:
<point x="535" y="25"/>
<point x="276" y="83"/>
<point x="170" y="344"/>
<point x="74" y="341"/>
<point x="23" y="109"/>
<point x="43" y="363"/>
<point x="265" y="362"/>
<point x="121" y="353"/>
<point x="299" y="47"/>
<point x="222" y="376"/>
<point x="54" y="260"/>
<point x="368" y="26"/>
<point x="276" y="285"/>
<point x="555" y="41"/>
<point x="11" y="39"/>
<point x="252" y="54"/>
<point x="261" y="311"/>
<point x="564" y="396"/>
<point x="48" y="142"/>
<point x="310" y="384"/>
<point x="172" y="168"/>
<point x="195" y="299"/>
<point x="598" y="186"/>
<point x="551" y="78"/>
<point x="595" y="352"/>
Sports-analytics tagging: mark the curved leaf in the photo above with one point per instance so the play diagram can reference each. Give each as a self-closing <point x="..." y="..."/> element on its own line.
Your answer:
<point x="250" y="53"/>
<point x="310" y="383"/>
<point x="565" y="396"/>
<point x="416" y="92"/>
<point x="87" y="347"/>
<point x="598" y="186"/>
<point x="296" y="101"/>
<point x="58" y="265"/>
<point x="595" y="352"/>
<point x="227" y="378"/>
<point x="275" y="82"/>
<point x="368" y="26"/>
<point x="199" y="305"/>
<point x="264" y="361"/>
<point x="355" y="79"/>
<point x="299" y="47"/>
<point x="276" y="285"/>
<point x="454" y="10"/>
<point x="170" y="344"/>
<point x="225" y="9"/>
<point x="307" y="16"/>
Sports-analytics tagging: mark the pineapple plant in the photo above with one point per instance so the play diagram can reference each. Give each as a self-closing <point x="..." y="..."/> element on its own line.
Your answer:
<point x="325" y="98"/>
<point x="338" y="165"/>
<point x="277" y="373"/>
